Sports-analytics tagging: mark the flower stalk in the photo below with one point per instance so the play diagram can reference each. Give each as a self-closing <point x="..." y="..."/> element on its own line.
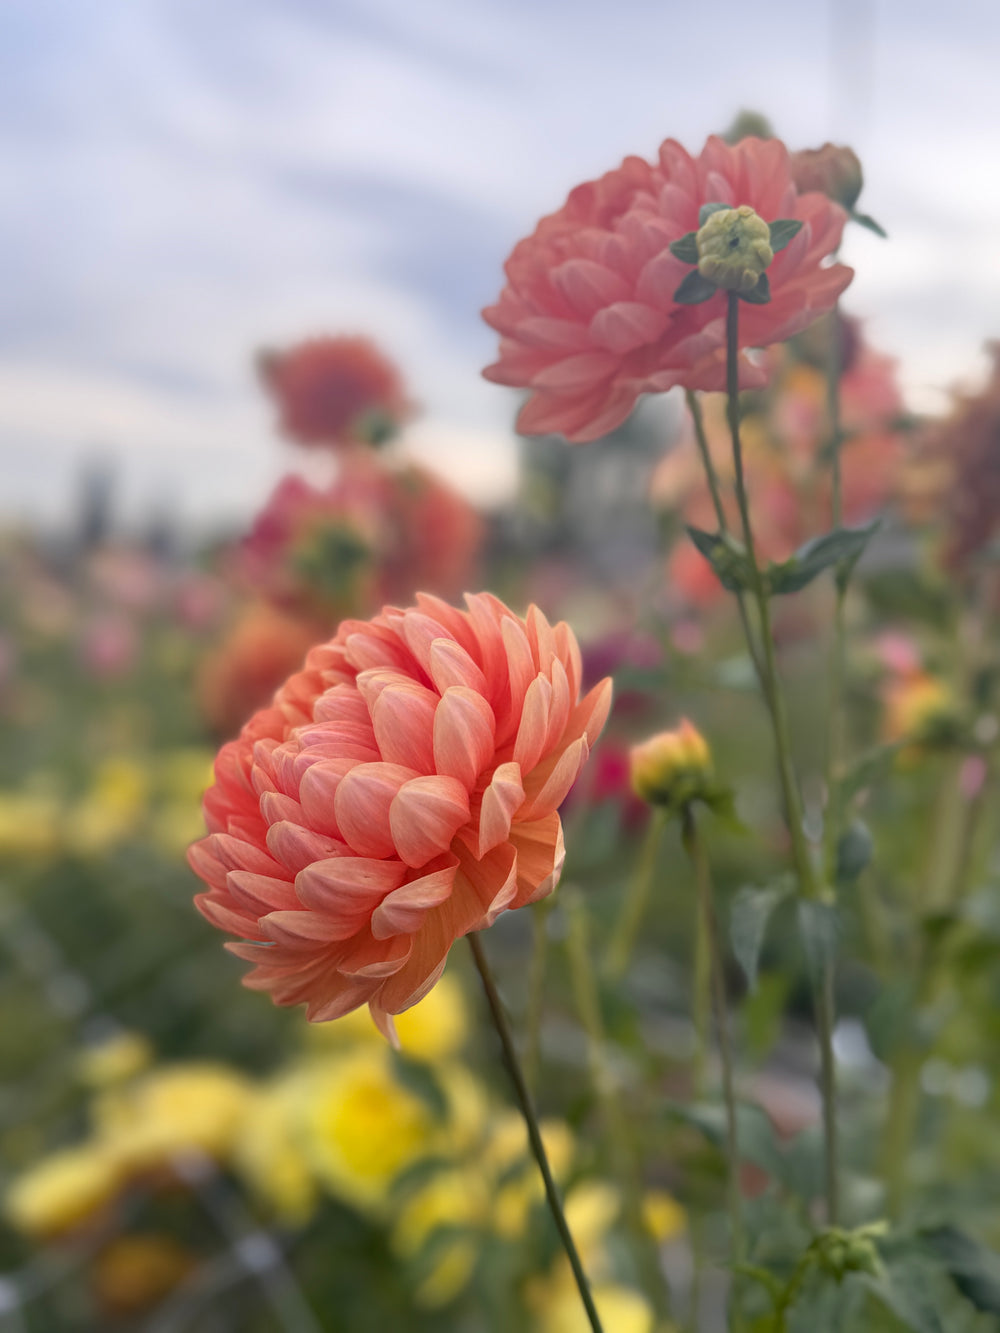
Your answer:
<point x="513" y="1063"/>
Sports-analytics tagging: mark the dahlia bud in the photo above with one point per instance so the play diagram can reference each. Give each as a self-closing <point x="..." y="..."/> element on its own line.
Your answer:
<point x="734" y="248"/>
<point x="830" y="170"/>
<point x="673" y="768"/>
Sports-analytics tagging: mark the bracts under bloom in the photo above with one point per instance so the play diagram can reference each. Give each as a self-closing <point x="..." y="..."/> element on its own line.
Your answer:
<point x="401" y="791"/>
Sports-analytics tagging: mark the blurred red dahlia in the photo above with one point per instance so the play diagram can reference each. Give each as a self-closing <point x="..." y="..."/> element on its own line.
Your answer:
<point x="335" y="391"/>
<point x="401" y="791"/>
<point x="588" y="320"/>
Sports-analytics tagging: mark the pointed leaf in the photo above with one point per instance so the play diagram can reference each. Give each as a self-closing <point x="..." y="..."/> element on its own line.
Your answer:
<point x="974" y="1269"/>
<point x="783" y="231"/>
<point x="903" y="1290"/>
<point x="695" y="289"/>
<point x="749" y="915"/>
<point x="842" y="546"/>
<point x="854" y="851"/>
<point x="686" y="249"/>
<point x="759" y="295"/>
<point x="863" y="220"/>
<point x="706" y="211"/>
<point x="726" y="557"/>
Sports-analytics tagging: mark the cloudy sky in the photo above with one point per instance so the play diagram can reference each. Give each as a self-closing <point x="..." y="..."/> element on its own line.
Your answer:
<point x="184" y="182"/>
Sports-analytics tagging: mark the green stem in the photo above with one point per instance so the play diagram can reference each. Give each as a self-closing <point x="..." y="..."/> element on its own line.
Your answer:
<point x="534" y="1133"/>
<point x="809" y="886"/>
<point x="838" y="655"/>
<point x="629" y="922"/>
<point x="697" y="416"/>
<point x="619" y="1139"/>
<point x="708" y="925"/>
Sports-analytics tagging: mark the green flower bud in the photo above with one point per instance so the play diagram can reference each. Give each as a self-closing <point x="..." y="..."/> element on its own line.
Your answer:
<point x="734" y="248"/>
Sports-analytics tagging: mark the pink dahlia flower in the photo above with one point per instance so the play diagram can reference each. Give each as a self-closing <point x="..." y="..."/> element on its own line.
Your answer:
<point x="401" y="791"/>
<point x="588" y="320"/>
<point x="335" y="391"/>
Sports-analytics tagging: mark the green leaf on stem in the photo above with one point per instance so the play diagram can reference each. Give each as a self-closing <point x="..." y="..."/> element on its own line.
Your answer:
<point x="903" y="1290"/>
<point x="783" y="231"/>
<point x="759" y="295"/>
<point x="706" y="211"/>
<point x="855" y="847"/>
<point x="749" y="916"/>
<point x="868" y="769"/>
<point x="863" y="220"/>
<point x="842" y="546"/>
<point x="686" y="249"/>
<point x="819" y="925"/>
<point x="726" y="556"/>
<point x="754" y="1131"/>
<point x="974" y="1269"/>
<point x="694" y="289"/>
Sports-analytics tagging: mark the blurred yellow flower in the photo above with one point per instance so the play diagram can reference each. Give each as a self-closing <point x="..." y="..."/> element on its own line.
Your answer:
<point x="560" y="1310"/>
<point x="63" y="1190"/>
<point x="450" y="1199"/>
<point x="113" y="1061"/>
<point x="435" y="1029"/>
<point x="362" y="1127"/>
<point x="30" y="824"/>
<point x="519" y="1185"/>
<point x="194" y="1107"/>
<point x="918" y="707"/>
<point x="663" y="1215"/>
<point x="269" y="1152"/>
<point x="112" y="809"/>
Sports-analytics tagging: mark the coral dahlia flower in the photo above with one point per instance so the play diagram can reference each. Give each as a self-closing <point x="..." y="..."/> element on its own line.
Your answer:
<point x="401" y="791"/>
<point x="588" y="320"/>
<point x="335" y="391"/>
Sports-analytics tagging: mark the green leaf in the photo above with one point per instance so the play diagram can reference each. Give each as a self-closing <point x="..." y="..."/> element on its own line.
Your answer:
<point x="855" y="847"/>
<point x="759" y="295"/>
<point x="868" y="769"/>
<point x="754" y="1131"/>
<point x="903" y="1290"/>
<point x="974" y="1269"/>
<point x="420" y="1080"/>
<point x="783" y="231"/>
<point x="838" y="547"/>
<point x="819" y="925"/>
<point x="726" y="557"/>
<point x="863" y="220"/>
<point x="695" y="289"/>
<point x="686" y="249"/>
<point x="706" y="211"/>
<point x="748" y="920"/>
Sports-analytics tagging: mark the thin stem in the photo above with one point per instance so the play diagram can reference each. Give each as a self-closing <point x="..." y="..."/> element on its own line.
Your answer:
<point x="534" y="1133"/>
<point x="709" y="927"/>
<point x="838" y="656"/>
<point x="619" y="1140"/>
<point x="629" y="922"/>
<point x="697" y="416"/>
<point x="809" y="886"/>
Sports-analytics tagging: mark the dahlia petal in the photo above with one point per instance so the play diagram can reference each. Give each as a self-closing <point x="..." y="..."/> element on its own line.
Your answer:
<point x="377" y="958"/>
<point x="407" y="988"/>
<point x="318" y="791"/>
<point x="207" y="866"/>
<point x="373" y="646"/>
<point x="421" y="632"/>
<point x="588" y="286"/>
<point x="403" y="719"/>
<point x="295" y="847"/>
<point x="520" y="670"/>
<point x="425" y="815"/>
<point x="464" y="729"/>
<point x="502" y="799"/>
<point x="451" y="665"/>
<point x="547" y="787"/>
<point x="491" y="879"/>
<point x="301" y="930"/>
<point x="344" y="891"/>
<point x="624" y="326"/>
<point x="541" y="638"/>
<point x="564" y="335"/>
<point x="569" y="655"/>
<point x="235" y="854"/>
<point x="454" y="623"/>
<point x="589" y="716"/>
<point x="260" y="894"/>
<point x="576" y="374"/>
<point x="341" y="997"/>
<point x="226" y="916"/>
<point x="402" y="911"/>
<point x="362" y="803"/>
<point x="276" y="807"/>
<point x="533" y="726"/>
<point x="559" y="706"/>
<point x="540" y="856"/>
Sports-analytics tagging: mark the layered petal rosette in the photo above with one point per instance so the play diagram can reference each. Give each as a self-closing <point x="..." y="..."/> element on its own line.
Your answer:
<point x="588" y="319"/>
<point x="401" y="791"/>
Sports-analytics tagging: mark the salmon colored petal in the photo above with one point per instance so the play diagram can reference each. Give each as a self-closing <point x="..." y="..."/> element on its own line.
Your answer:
<point x="346" y="890"/>
<point x="540" y="857"/>
<point x="403" y="719"/>
<point x="402" y="911"/>
<point x="501" y="801"/>
<point x="491" y="878"/>
<point x="533" y="727"/>
<point x="549" y="784"/>
<point x="426" y="814"/>
<point x="260" y="894"/>
<point x="464" y="731"/>
<point x="317" y="792"/>
<point x="295" y="846"/>
<point x="362" y="803"/>
<point x="450" y="665"/>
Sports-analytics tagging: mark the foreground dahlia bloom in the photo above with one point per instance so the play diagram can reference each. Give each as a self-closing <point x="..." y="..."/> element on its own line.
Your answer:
<point x="588" y="320"/>
<point x="335" y="391"/>
<point x="401" y="791"/>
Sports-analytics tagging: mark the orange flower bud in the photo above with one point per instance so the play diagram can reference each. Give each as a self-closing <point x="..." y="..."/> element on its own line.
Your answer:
<point x="672" y="768"/>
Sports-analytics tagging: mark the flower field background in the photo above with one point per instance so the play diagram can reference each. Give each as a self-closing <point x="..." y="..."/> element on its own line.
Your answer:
<point x="180" y="1153"/>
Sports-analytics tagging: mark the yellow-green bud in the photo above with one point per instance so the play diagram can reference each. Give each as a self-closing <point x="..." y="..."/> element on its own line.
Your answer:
<point x="734" y="248"/>
<point x="672" y="768"/>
